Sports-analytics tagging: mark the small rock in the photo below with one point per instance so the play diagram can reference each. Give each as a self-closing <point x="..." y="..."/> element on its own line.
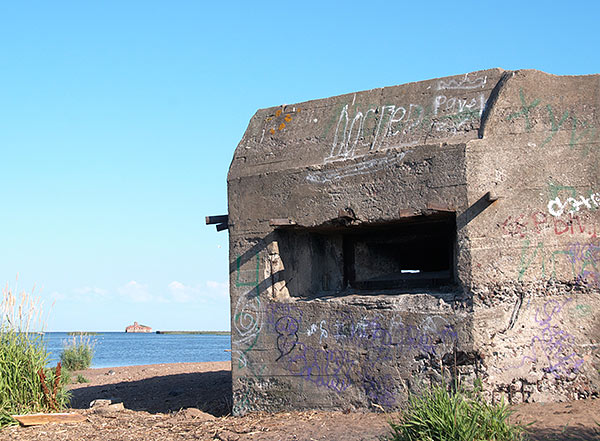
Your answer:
<point x="111" y="408"/>
<point x="110" y="372"/>
<point x="100" y="403"/>
<point x="116" y="407"/>
<point x="196" y="414"/>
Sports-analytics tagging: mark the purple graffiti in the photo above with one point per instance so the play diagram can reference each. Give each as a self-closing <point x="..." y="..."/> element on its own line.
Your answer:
<point x="379" y="389"/>
<point x="364" y="333"/>
<point x="287" y="335"/>
<point x="372" y="333"/>
<point x="376" y="341"/>
<point x="556" y="345"/>
<point x="277" y="310"/>
<point x="585" y="257"/>
<point x="323" y="367"/>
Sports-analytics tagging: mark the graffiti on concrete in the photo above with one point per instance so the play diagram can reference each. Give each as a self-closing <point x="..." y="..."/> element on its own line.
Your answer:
<point x="586" y="258"/>
<point x="287" y="335"/>
<point x="581" y="131"/>
<point x="247" y="323"/>
<point x="551" y="345"/>
<point x="526" y="224"/>
<point x="362" y="167"/>
<point x="580" y="259"/>
<point x="464" y="83"/>
<point x="526" y="107"/>
<point x="351" y="352"/>
<point x="362" y="129"/>
<point x="374" y="332"/>
<point x="583" y="310"/>
<point x="329" y="368"/>
<point x="248" y="312"/>
<point x="322" y="327"/>
<point x="571" y="205"/>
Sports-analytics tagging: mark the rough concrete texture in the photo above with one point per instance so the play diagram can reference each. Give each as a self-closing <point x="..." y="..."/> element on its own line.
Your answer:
<point x="387" y="239"/>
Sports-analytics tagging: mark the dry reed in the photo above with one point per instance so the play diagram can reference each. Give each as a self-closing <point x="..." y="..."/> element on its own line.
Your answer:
<point x="22" y="356"/>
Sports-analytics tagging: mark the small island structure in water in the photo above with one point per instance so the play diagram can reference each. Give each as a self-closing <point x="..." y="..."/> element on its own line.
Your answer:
<point x="136" y="327"/>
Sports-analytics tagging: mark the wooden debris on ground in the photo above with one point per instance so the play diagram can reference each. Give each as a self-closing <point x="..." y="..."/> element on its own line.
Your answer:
<point x="36" y="419"/>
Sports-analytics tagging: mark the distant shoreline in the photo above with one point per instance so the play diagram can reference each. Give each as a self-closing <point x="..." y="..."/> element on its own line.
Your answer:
<point x="82" y="333"/>
<point x="195" y="332"/>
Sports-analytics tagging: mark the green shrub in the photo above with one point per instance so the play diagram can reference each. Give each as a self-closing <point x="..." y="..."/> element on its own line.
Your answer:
<point x="77" y="353"/>
<point x="82" y="379"/>
<point x="24" y="377"/>
<point x="441" y="414"/>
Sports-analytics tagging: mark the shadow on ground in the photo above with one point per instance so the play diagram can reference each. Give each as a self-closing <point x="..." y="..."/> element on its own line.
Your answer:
<point x="207" y="391"/>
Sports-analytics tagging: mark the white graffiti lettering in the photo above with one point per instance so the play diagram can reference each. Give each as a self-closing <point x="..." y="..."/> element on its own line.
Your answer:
<point x="464" y="83"/>
<point x="556" y="207"/>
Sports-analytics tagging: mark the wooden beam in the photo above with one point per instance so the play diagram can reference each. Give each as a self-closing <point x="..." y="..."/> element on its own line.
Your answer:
<point x="223" y="226"/>
<point x="281" y="222"/>
<point x="491" y="196"/>
<point x="36" y="419"/>
<point x="440" y="208"/>
<point x="222" y="219"/>
<point x="406" y="212"/>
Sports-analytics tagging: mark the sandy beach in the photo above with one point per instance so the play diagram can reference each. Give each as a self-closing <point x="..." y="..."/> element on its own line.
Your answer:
<point x="192" y="401"/>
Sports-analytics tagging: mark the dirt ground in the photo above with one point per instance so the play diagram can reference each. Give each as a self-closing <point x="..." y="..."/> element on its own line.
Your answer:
<point x="192" y="401"/>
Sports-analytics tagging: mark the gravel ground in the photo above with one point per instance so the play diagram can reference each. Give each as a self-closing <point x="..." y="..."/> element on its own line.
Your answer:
<point x="192" y="401"/>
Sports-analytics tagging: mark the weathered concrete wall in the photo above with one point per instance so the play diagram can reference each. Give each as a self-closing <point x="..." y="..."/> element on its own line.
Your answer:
<point x="326" y="312"/>
<point x="535" y="253"/>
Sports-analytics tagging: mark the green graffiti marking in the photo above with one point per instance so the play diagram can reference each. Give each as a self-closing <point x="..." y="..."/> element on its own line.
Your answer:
<point x="244" y="363"/>
<point x="580" y="130"/>
<point x="583" y="309"/>
<point x="333" y="121"/>
<point x="524" y="112"/>
<point x="555" y="126"/>
<point x="248" y="316"/>
<point x="569" y="256"/>
<point x="581" y="259"/>
<point x="555" y="189"/>
<point x="589" y="261"/>
<point x="252" y="283"/>
<point x="461" y="116"/>
<point x="526" y="262"/>
<point x="587" y="131"/>
<point x="250" y="322"/>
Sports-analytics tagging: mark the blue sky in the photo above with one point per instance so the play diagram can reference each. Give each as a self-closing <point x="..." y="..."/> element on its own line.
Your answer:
<point x="118" y="121"/>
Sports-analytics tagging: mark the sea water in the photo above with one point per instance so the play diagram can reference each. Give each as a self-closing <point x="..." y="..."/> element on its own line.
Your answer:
<point x="112" y="349"/>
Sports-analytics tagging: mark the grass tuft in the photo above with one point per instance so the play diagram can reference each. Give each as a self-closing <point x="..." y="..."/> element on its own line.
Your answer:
<point x="26" y="385"/>
<point x="82" y="379"/>
<point x="443" y="414"/>
<point x="77" y="353"/>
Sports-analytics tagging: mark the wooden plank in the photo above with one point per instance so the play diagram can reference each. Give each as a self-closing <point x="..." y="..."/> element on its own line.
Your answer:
<point x="406" y="212"/>
<point x="281" y="222"/>
<point x="36" y="419"/>
<point x="221" y="219"/>
<point x="440" y="208"/>
<point x="223" y="226"/>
